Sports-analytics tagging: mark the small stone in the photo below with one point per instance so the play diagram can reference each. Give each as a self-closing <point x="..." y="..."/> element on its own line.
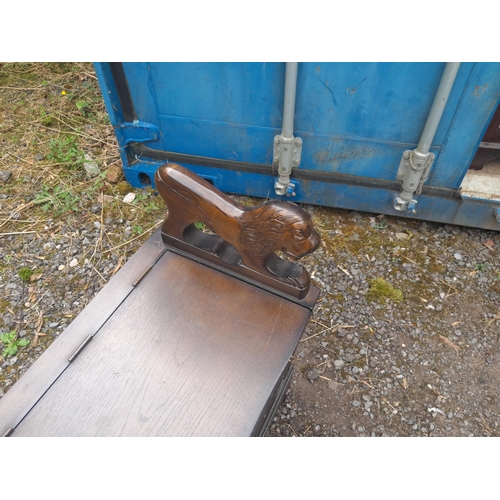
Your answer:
<point x="355" y="403"/>
<point x="5" y="175"/>
<point x="457" y="256"/>
<point x="338" y="363"/>
<point x="312" y="375"/>
<point x="90" y="166"/>
<point x="73" y="263"/>
<point x="53" y="325"/>
<point x="61" y="267"/>
<point x="129" y="198"/>
<point x="95" y="208"/>
<point x="39" y="157"/>
<point x="114" y="174"/>
<point x="97" y="225"/>
<point x="341" y="332"/>
<point x="401" y="236"/>
<point x="439" y="307"/>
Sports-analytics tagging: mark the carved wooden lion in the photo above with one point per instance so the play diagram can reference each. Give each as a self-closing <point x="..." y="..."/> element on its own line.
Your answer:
<point x="255" y="232"/>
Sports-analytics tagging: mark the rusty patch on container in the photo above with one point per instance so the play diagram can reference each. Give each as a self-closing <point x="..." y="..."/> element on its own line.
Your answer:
<point x="478" y="90"/>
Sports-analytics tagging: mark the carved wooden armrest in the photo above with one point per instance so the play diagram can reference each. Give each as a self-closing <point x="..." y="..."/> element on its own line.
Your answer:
<point x="245" y="239"/>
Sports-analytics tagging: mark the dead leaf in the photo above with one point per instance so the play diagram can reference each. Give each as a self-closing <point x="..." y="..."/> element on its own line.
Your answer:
<point x="489" y="244"/>
<point x="36" y="277"/>
<point x="449" y="343"/>
<point x="38" y="326"/>
<point x="455" y="323"/>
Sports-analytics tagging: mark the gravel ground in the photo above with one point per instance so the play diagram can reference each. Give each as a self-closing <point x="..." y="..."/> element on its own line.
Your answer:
<point x="367" y="365"/>
<point x="427" y="365"/>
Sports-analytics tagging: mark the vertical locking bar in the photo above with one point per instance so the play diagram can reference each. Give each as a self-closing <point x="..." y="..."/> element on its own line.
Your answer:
<point x="287" y="148"/>
<point x="416" y="164"/>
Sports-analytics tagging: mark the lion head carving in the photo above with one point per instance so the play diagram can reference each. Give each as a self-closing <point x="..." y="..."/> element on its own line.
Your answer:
<point x="278" y="225"/>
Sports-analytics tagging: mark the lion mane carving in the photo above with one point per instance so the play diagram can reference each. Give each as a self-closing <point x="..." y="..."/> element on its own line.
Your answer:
<point x="255" y="232"/>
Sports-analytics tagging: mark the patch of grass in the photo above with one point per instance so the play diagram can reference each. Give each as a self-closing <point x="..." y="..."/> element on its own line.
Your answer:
<point x="25" y="273"/>
<point x="58" y="200"/>
<point x="64" y="149"/>
<point x="381" y="289"/>
<point x="11" y="343"/>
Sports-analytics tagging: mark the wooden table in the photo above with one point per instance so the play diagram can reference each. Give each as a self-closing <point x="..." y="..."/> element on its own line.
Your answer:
<point x="169" y="347"/>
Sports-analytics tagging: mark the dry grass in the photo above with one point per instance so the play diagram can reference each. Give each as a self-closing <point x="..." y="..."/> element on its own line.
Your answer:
<point x="51" y="115"/>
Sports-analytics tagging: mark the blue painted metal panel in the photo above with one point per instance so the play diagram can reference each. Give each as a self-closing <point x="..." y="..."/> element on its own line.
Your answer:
<point x="355" y="120"/>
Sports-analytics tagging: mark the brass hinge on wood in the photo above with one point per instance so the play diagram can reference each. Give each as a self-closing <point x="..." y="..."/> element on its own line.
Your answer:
<point x="80" y="349"/>
<point x="140" y="278"/>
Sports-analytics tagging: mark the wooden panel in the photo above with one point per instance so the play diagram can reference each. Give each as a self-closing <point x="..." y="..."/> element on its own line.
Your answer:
<point x="191" y="352"/>
<point x="33" y="384"/>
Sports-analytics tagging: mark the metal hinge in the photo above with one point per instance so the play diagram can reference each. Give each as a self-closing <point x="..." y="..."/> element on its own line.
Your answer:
<point x="136" y="131"/>
<point x="80" y="349"/>
<point x="141" y="277"/>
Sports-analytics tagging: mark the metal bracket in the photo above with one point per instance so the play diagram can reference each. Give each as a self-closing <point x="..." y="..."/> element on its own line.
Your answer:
<point x="280" y="150"/>
<point x="413" y="171"/>
<point x="287" y="152"/>
<point x="136" y="131"/>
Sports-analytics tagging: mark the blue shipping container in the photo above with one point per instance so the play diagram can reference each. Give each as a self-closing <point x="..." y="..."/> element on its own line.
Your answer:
<point x="354" y="120"/>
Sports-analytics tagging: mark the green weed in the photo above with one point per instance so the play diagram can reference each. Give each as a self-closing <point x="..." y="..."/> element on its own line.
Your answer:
<point x="138" y="230"/>
<point x="25" y="274"/>
<point x="64" y="149"/>
<point x="47" y="120"/>
<point x="57" y="199"/>
<point x="11" y="343"/>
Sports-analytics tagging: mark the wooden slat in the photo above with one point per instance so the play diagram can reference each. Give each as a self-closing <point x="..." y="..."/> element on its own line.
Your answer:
<point x="191" y="352"/>
<point x="32" y="385"/>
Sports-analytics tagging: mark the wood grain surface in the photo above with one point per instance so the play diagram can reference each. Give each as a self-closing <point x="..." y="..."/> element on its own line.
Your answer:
<point x="191" y="352"/>
<point x="32" y="385"/>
